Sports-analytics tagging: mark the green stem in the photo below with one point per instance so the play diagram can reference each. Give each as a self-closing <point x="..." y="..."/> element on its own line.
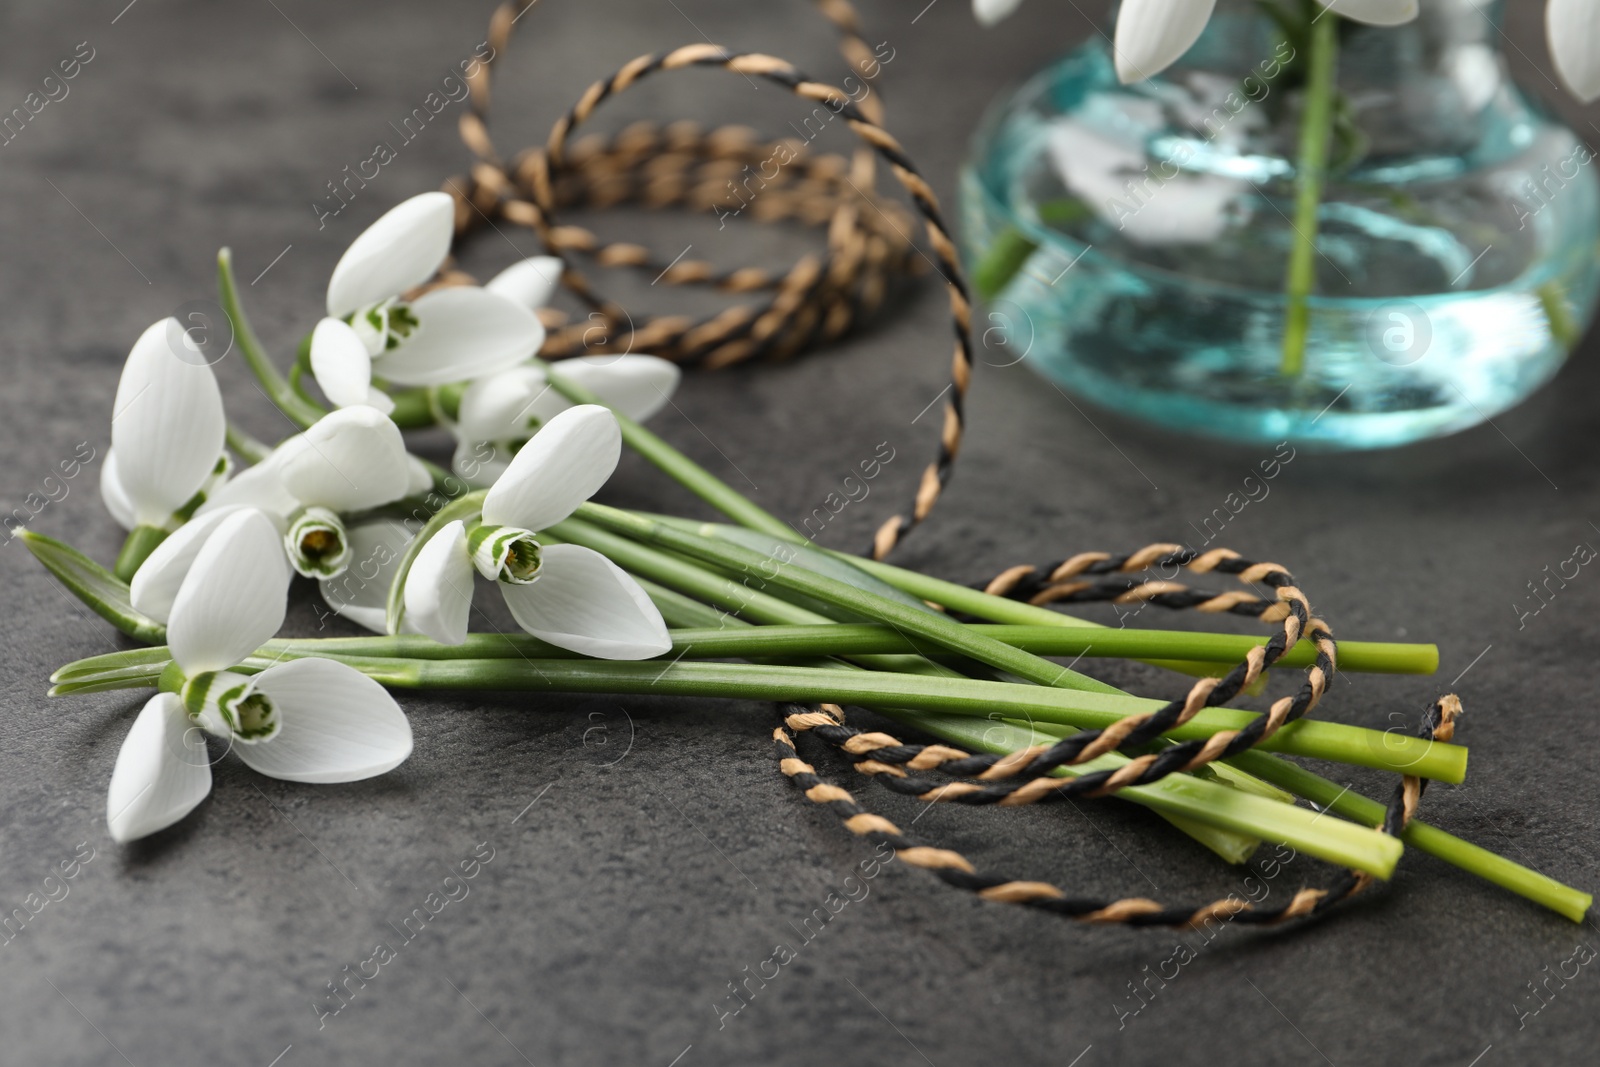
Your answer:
<point x="300" y="370"/>
<point x="1376" y="657"/>
<point x="247" y="447"/>
<point x="683" y="576"/>
<point x="1364" y="656"/>
<point x="1565" y="900"/>
<point x="1219" y="832"/>
<point x="958" y="696"/>
<point x="708" y="640"/>
<point x="880" y="689"/>
<point x="1001" y="261"/>
<point x="1183" y="796"/>
<point x="142" y="540"/>
<point x="299" y="411"/>
<point x="412" y="411"/>
<point x="1563" y="328"/>
<point x="939" y="631"/>
<point x="687" y="577"/>
<point x="1009" y="251"/>
<point x="1316" y="125"/>
<point x="1040" y="615"/>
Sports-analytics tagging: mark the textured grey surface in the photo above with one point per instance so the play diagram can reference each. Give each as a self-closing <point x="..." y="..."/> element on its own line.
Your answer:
<point x="662" y="854"/>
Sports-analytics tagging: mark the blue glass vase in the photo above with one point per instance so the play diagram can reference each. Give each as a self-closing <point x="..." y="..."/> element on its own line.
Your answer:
<point x="1132" y="241"/>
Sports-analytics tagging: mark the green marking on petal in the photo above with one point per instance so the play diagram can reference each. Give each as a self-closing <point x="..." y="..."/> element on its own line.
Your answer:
<point x="505" y="553"/>
<point x="227" y="703"/>
<point x="523" y="560"/>
<point x="383" y="327"/>
<point x="252" y="716"/>
<point x="317" y="543"/>
<point x="195" y="692"/>
<point x="403" y="323"/>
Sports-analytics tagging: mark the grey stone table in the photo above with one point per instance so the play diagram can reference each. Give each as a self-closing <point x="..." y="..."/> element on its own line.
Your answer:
<point x="642" y="854"/>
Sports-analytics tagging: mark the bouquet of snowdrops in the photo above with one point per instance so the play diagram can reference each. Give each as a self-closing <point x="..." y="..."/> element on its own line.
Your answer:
<point x="611" y="600"/>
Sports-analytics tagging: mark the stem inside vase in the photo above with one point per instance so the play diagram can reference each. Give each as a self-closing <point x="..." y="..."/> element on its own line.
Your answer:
<point x="1316" y="127"/>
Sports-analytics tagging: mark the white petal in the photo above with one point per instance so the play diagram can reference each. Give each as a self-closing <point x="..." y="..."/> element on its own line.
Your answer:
<point x="1152" y="34"/>
<point x="990" y="12"/>
<point x="162" y="771"/>
<point x="583" y="602"/>
<point x="338" y="725"/>
<point x="401" y="250"/>
<point x="418" y="480"/>
<point x="260" y="487"/>
<point x="361" y="593"/>
<point x="564" y="464"/>
<point x="1573" y="27"/>
<point x="113" y="495"/>
<point x="1193" y="208"/>
<point x="1374" y="12"/>
<point x="463" y="333"/>
<point x="502" y="406"/>
<point x="167" y="426"/>
<point x="530" y="282"/>
<point x="439" y="586"/>
<point x="340" y="363"/>
<point x="234" y="596"/>
<point x="637" y="386"/>
<point x="353" y="458"/>
<point x="156" y="583"/>
<point x="509" y="405"/>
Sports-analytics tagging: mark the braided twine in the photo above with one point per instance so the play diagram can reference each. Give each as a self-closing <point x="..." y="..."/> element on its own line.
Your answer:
<point x="820" y="298"/>
<point x="1026" y="776"/>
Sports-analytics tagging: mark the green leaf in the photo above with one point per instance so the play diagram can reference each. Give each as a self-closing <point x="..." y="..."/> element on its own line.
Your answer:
<point x="145" y="676"/>
<point x="111" y="662"/>
<point x="97" y="587"/>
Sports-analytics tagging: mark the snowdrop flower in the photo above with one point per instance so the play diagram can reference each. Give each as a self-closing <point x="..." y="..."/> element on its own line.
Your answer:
<point x="499" y="413"/>
<point x="448" y="335"/>
<point x="307" y="720"/>
<point x="167" y="430"/>
<point x="570" y="596"/>
<point x="349" y="460"/>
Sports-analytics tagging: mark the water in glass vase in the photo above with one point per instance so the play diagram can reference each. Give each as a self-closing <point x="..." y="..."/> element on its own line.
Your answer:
<point x="1134" y="240"/>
